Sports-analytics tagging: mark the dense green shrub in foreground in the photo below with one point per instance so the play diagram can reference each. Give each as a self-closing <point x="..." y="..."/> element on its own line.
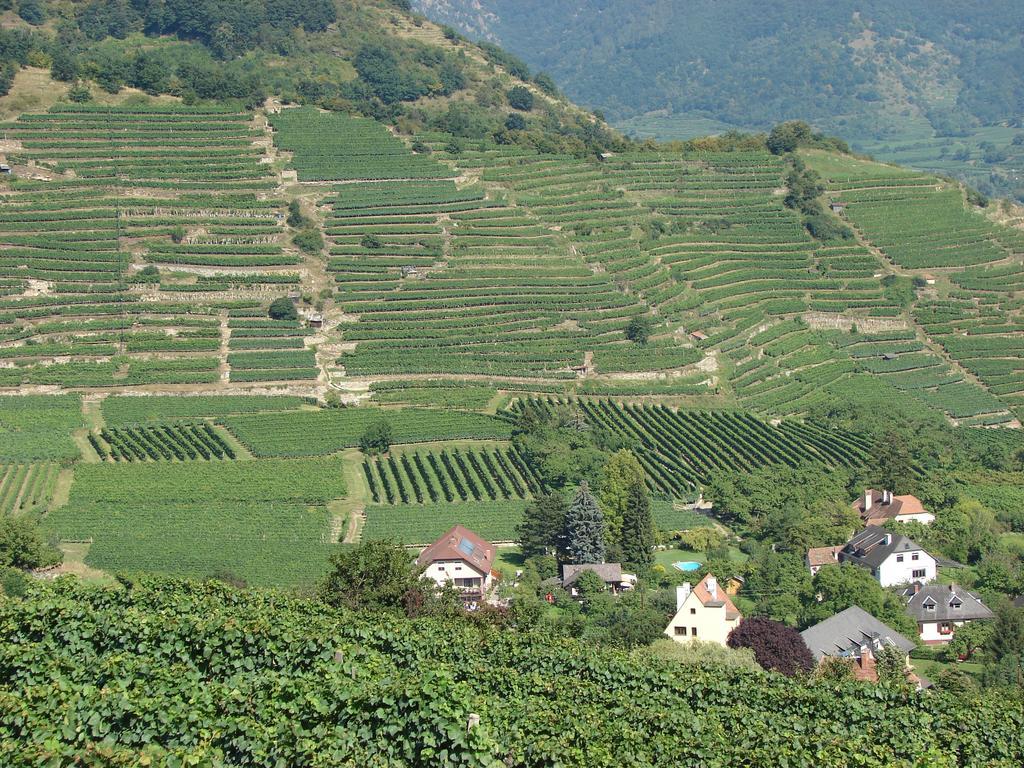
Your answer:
<point x="169" y="670"/>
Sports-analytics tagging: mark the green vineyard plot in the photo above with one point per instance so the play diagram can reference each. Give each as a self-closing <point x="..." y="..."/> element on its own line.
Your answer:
<point x="39" y="427"/>
<point x="264" y="521"/>
<point x="181" y="442"/>
<point x="317" y="433"/>
<point x="680" y="450"/>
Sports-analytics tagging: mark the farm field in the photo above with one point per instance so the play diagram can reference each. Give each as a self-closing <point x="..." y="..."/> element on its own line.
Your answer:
<point x="417" y="525"/>
<point x="263" y="521"/>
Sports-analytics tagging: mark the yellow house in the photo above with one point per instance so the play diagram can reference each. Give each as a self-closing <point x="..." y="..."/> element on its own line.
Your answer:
<point x="703" y="613"/>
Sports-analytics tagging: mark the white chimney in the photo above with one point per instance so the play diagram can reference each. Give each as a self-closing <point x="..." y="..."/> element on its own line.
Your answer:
<point x="682" y="592"/>
<point x="867" y="500"/>
<point x="887" y="497"/>
<point x="712" y="583"/>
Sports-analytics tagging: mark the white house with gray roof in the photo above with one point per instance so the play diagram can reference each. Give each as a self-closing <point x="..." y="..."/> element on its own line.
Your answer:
<point x="939" y="609"/>
<point x="893" y="559"/>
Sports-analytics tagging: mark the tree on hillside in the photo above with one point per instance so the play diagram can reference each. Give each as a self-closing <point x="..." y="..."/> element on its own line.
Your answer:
<point x="639" y="329"/>
<point x="282" y="309"/>
<point x="296" y="219"/>
<point x="840" y="586"/>
<point x="786" y="137"/>
<point x="373" y="575"/>
<point x="637" y="539"/>
<point x="779" y="584"/>
<point x="968" y="639"/>
<point x="775" y="646"/>
<point x="891" y="664"/>
<point x="376" y="438"/>
<point x="584" y="528"/>
<point x="891" y="459"/>
<point x="618" y="475"/>
<point x="520" y="98"/>
<point x="1007" y="638"/>
<point x="543" y="525"/>
<point x="22" y="546"/>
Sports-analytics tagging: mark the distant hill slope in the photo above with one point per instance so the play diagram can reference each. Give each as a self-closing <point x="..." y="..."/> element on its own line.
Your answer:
<point x="924" y="82"/>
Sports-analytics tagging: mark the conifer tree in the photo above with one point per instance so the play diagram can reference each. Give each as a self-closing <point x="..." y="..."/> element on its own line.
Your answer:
<point x="584" y="528"/>
<point x="637" y="541"/>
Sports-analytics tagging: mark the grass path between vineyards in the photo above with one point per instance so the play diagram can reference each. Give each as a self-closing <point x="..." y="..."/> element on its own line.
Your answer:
<point x="348" y="514"/>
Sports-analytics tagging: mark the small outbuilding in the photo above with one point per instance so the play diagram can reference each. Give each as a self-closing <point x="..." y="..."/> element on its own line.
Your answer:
<point x="316" y="321"/>
<point x="698" y="335"/>
<point x="836" y="207"/>
<point x="610" y="573"/>
<point x="5" y="168"/>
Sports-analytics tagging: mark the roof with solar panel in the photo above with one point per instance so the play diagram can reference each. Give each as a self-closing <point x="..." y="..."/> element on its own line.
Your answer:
<point x="460" y="543"/>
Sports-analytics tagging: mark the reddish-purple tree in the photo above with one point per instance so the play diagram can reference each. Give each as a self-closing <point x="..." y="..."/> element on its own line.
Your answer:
<point x="775" y="646"/>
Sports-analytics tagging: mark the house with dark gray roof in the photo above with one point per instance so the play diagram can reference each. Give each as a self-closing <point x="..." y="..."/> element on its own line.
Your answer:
<point x="856" y="635"/>
<point x="891" y="557"/>
<point x="939" y="609"/>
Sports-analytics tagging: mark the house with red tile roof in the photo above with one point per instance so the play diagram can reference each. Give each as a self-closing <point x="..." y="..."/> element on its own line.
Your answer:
<point x="460" y="558"/>
<point x="818" y="557"/>
<point x="703" y="612"/>
<point x="879" y="507"/>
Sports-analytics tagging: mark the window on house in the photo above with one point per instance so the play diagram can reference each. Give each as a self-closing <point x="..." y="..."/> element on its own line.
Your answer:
<point x="915" y="556"/>
<point x="693" y="611"/>
<point x="955" y="604"/>
<point x="929" y="606"/>
<point x="458" y="567"/>
<point x="693" y="631"/>
<point x="681" y="631"/>
<point x="899" y="558"/>
<point x="919" y="574"/>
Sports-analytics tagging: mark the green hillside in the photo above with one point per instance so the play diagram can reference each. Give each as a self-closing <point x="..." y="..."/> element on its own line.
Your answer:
<point x="935" y="85"/>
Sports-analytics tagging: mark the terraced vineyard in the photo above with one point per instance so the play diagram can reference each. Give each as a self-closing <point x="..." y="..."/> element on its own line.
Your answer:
<point x="969" y="306"/>
<point x="679" y="450"/>
<point x="126" y="232"/>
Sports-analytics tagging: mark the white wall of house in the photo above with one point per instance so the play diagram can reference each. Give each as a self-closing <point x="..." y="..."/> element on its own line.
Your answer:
<point x="931" y="631"/>
<point x="906" y="567"/>
<point x="925" y="518"/>
<point x="695" y="621"/>
<point x="457" y="572"/>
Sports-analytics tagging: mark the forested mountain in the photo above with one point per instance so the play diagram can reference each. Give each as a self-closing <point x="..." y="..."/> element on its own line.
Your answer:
<point x="915" y="80"/>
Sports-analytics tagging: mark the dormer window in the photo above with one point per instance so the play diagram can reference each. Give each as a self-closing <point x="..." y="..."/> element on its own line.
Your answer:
<point x="929" y="606"/>
<point x="954" y="604"/>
